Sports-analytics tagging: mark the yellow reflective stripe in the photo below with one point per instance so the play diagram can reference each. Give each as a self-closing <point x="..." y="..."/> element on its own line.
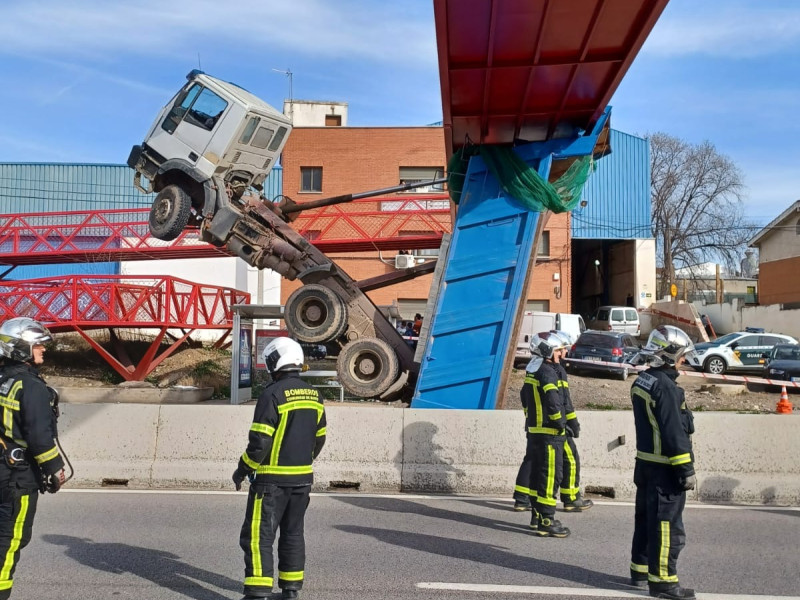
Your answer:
<point x="638" y="568"/>
<point x="258" y="581"/>
<point x="551" y="473"/>
<point x="663" y="557"/>
<point x="522" y="490"/>
<point x="667" y="579"/>
<point x="262" y="428"/>
<point x="680" y="459"/>
<point x="571" y="416"/>
<point x="555" y="416"/>
<point x="549" y="387"/>
<point x="322" y="431"/>
<point x="6" y="585"/>
<point x="255" y="536"/>
<point x="290" y="575"/>
<point x="8" y="422"/>
<point x="656" y="458"/>
<point x="45" y="456"/>
<point x="8" y="403"/>
<point x="571" y="488"/>
<point x="19" y="524"/>
<point x="249" y="462"/>
<point x="298" y="404"/>
<point x="276" y="444"/>
<point x="545" y="430"/>
<point x="648" y="405"/>
<point x="278" y="470"/>
<point x="563" y="383"/>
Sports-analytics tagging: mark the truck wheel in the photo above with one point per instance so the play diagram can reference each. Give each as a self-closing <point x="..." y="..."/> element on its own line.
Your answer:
<point x="367" y="367"/>
<point x="170" y="213"/>
<point x="315" y="314"/>
<point x="715" y="365"/>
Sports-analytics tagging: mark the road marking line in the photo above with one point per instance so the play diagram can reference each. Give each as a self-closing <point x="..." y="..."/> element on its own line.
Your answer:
<point x="573" y="591"/>
<point x="395" y="496"/>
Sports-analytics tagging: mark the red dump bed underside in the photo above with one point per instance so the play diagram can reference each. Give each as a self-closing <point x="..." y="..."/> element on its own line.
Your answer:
<point x="530" y="70"/>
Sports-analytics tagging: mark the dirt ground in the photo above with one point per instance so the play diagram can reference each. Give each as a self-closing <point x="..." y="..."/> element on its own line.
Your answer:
<point x="71" y="362"/>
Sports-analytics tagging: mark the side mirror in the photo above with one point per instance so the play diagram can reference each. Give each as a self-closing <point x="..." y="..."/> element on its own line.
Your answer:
<point x="733" y="345"/>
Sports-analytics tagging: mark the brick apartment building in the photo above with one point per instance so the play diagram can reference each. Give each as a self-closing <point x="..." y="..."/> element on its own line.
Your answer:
<point x="779" y="259"/>
<point x="323" y="161"/>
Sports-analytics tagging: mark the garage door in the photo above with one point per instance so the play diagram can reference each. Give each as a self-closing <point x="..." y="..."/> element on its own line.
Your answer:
<point x="538" y="305"/>
<point x="408" y="308"/>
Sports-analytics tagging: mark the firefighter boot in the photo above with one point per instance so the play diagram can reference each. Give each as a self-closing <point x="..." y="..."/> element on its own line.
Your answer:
<point x="548" y="527"/>
<point x="638" y="579"/>
<point x="522" y="502"/>
<point x="671" y="591"/>
<point x="289" y="594"/>
<point x="580" y="504"/>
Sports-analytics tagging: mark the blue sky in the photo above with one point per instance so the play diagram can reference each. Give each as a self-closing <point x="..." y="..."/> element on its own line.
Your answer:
<point x="82" y="80"/>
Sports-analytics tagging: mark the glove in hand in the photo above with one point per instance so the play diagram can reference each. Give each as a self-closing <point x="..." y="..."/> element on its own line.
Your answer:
<point x="689" y="483"/>
<point x="238" y="478"/>
<point x="573" y="428"/>
<point x="53" y="482"/>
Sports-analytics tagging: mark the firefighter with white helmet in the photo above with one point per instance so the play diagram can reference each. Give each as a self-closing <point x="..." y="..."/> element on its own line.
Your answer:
<point x="31" y="461"/>
<point x="546" y="422"/>
<point x="287" y="434"/>
<point x="664" y="465"/>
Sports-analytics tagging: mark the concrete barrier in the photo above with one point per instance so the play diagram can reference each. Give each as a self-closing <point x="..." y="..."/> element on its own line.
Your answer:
<point x="740" y="458"/>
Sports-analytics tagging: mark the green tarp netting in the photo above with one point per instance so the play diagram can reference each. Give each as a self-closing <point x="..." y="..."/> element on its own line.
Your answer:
<point x="519" y="180"/>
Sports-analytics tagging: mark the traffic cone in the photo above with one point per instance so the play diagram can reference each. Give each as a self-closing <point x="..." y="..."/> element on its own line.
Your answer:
<point x="784" y="407"/>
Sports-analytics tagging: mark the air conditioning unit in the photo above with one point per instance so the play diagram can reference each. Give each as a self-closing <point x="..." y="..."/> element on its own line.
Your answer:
<point x="404" y="261"/>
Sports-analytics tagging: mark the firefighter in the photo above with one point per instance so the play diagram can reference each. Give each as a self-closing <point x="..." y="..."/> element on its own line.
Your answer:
<point x="287" y="434"/>
<point x="31" y="461"/>
<point x="570" y="477"/>
<point x="546" y="428"/>
<point x="664" y="468"/>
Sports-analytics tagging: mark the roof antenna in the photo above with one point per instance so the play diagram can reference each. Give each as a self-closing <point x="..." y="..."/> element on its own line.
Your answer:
<point x="199" y="66"/>
<point x="288" y="73"/>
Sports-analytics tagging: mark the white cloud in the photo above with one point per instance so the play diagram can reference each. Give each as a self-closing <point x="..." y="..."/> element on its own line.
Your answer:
<point x="95" y="29"/>
<point x="725" y="29"/>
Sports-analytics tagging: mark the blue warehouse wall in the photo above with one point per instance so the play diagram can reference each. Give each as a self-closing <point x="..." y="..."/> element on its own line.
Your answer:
<point x="49" y="187"/>
<point x="618" y="193"/>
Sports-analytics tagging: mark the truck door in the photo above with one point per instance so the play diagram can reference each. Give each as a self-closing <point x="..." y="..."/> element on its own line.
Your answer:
<point x="188" y="126"/>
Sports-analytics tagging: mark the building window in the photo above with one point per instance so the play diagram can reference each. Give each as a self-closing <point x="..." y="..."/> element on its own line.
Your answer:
<point x="544" y="245"/>
<point x="422" y="253"/>
<point x="333" y="120"/>
<point x="420" y="174"/>
<point x="310" y="179"/>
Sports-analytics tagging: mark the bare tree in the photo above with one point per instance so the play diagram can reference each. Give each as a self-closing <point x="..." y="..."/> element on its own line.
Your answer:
<point x="696" y="206"/>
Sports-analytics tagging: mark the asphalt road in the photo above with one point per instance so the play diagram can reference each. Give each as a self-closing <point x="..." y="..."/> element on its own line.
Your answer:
<point x="167" y="545"/>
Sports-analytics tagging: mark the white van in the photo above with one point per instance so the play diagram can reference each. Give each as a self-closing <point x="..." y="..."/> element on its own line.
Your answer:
<point x="534" y="322"/>
<point x="616" y="318"/>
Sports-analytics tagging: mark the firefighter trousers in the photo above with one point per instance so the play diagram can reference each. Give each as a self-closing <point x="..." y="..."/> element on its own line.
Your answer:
<point x="658" y="534"/>
<point x="17" y="511"/>
<point x="269" y="508"/>
<point x="546" y="472"/>
<point x="570" y="476"/>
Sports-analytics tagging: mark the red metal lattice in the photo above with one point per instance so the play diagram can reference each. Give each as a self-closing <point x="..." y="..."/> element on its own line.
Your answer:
<point x="79" y="303"/>
<point x="409" y="221"/>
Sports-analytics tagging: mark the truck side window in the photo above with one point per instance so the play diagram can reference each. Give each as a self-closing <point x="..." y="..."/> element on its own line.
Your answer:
<point x="249" y="130"/>
<point x="276" y="141"/>
<point x="182" y="104"/>
<point x="262" y="137"/>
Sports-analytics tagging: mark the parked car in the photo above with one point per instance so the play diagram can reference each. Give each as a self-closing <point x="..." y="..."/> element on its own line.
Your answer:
<point x="783" y="363"/>
<point x="740" y="351"/>
<point x="534" y="322"/>
<point x="616" y="318"/>
<point x="603" y="346"/>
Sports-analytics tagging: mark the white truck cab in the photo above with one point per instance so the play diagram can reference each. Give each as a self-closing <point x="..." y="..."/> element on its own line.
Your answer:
<point x="210" y="130"/>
